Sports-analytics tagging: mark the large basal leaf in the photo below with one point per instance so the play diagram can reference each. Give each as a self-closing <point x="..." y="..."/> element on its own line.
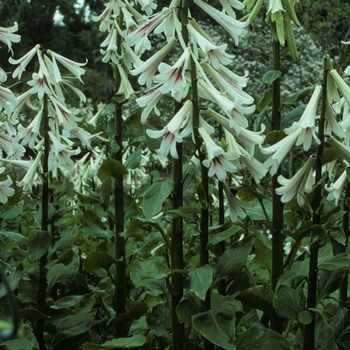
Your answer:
<point x="38" y="244"/>
<point x="258" y="297"/>
<point x="257" y="337"/>
<point x="60" y="273"/>
<point x="233" y="260"/>
<point x="218" y="324"/>
<point x="200" y="280"/>
<point x="73" y="325"/>
<point x="135" y="341"/>
<point x="289" y="302"/>
<point x="155" y="196"/>
<point x="98" y="260"/>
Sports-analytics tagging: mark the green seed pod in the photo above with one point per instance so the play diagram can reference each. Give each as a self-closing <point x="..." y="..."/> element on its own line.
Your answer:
<point x="291" y="12"/>
<point x="255" y="11"/>
<point x="292" y="46"/>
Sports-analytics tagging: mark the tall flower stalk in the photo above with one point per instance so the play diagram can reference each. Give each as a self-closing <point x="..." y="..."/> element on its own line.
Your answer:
<point x="316" y="232"/>
<point x="277" y="205"/>
<point x="200" y="62"/>
<point x="43" y="136"/>
<point x="117" y="21"/>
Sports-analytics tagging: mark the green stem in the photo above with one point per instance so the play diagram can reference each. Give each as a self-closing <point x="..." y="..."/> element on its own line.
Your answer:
<point x="343" y="291"/>
<point x="277" y="205"/>
<point x="44" y="227"/>
<point x="120" y="266"/>
<point x="309" y="333"/>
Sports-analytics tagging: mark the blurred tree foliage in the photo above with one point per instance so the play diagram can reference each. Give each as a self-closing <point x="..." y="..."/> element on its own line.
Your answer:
<point x="327" y="22"/>
<point x="75" y="36"/>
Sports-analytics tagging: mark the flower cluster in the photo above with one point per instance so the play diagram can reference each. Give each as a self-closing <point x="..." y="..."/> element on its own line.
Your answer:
<point x="217" y="84"/>
<point x="48" y="85"/>
<point x="8" y="102"/>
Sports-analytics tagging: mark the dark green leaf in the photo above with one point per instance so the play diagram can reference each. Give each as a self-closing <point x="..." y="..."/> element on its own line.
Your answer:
<point x="106" y="190"/>
<point x="248" y="194"/>
<point x="93" y="221"/>
<point x="98" y="260"/>
<point x="218" y="236"/>
<point x="337" y="247"/>
<point x="111" y="168"/>
<point x="290" y="279"/>
<point x="299" y="95"/>
<point x="259" y="119"/>
<point x="270" y="76"/>
<point x="289" y="302"/>
<point x="329" y="282"/>
<point x="39" y="243"/>
<point x="292" y="116"/>
<point x="341" y="327"/>
<point x="265" y="100"/>
<point x="187" y="307"/>
<point x="273" y="137"/>
<point x="67" y="302"/>
<point x="257" y="337"/>
<point x="60" y="273"/>
<point x="155" y="196"/>
<point x="73" y="325"/>
<point x="329" y="155"/>
<point x="258" y="297"/>
<point x="340" y="261"/>
<point x="263" y="251"/>
<point x="324" y="337"/>
<point x="133" y="161"/>
<point x="136" y="341"/>
<point x="200" y="280"/>
<point x="233" y="260"/>
<point x="65" y="241"/>
<point x="148" y="273"/>
<point x="17" y="237"/>
<point x="17" y="344"/>
<point x="218" y="324"/>
<point x="13" y="280"/>
<point x="184" y="211"/>
<point x="31" y="314"/>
